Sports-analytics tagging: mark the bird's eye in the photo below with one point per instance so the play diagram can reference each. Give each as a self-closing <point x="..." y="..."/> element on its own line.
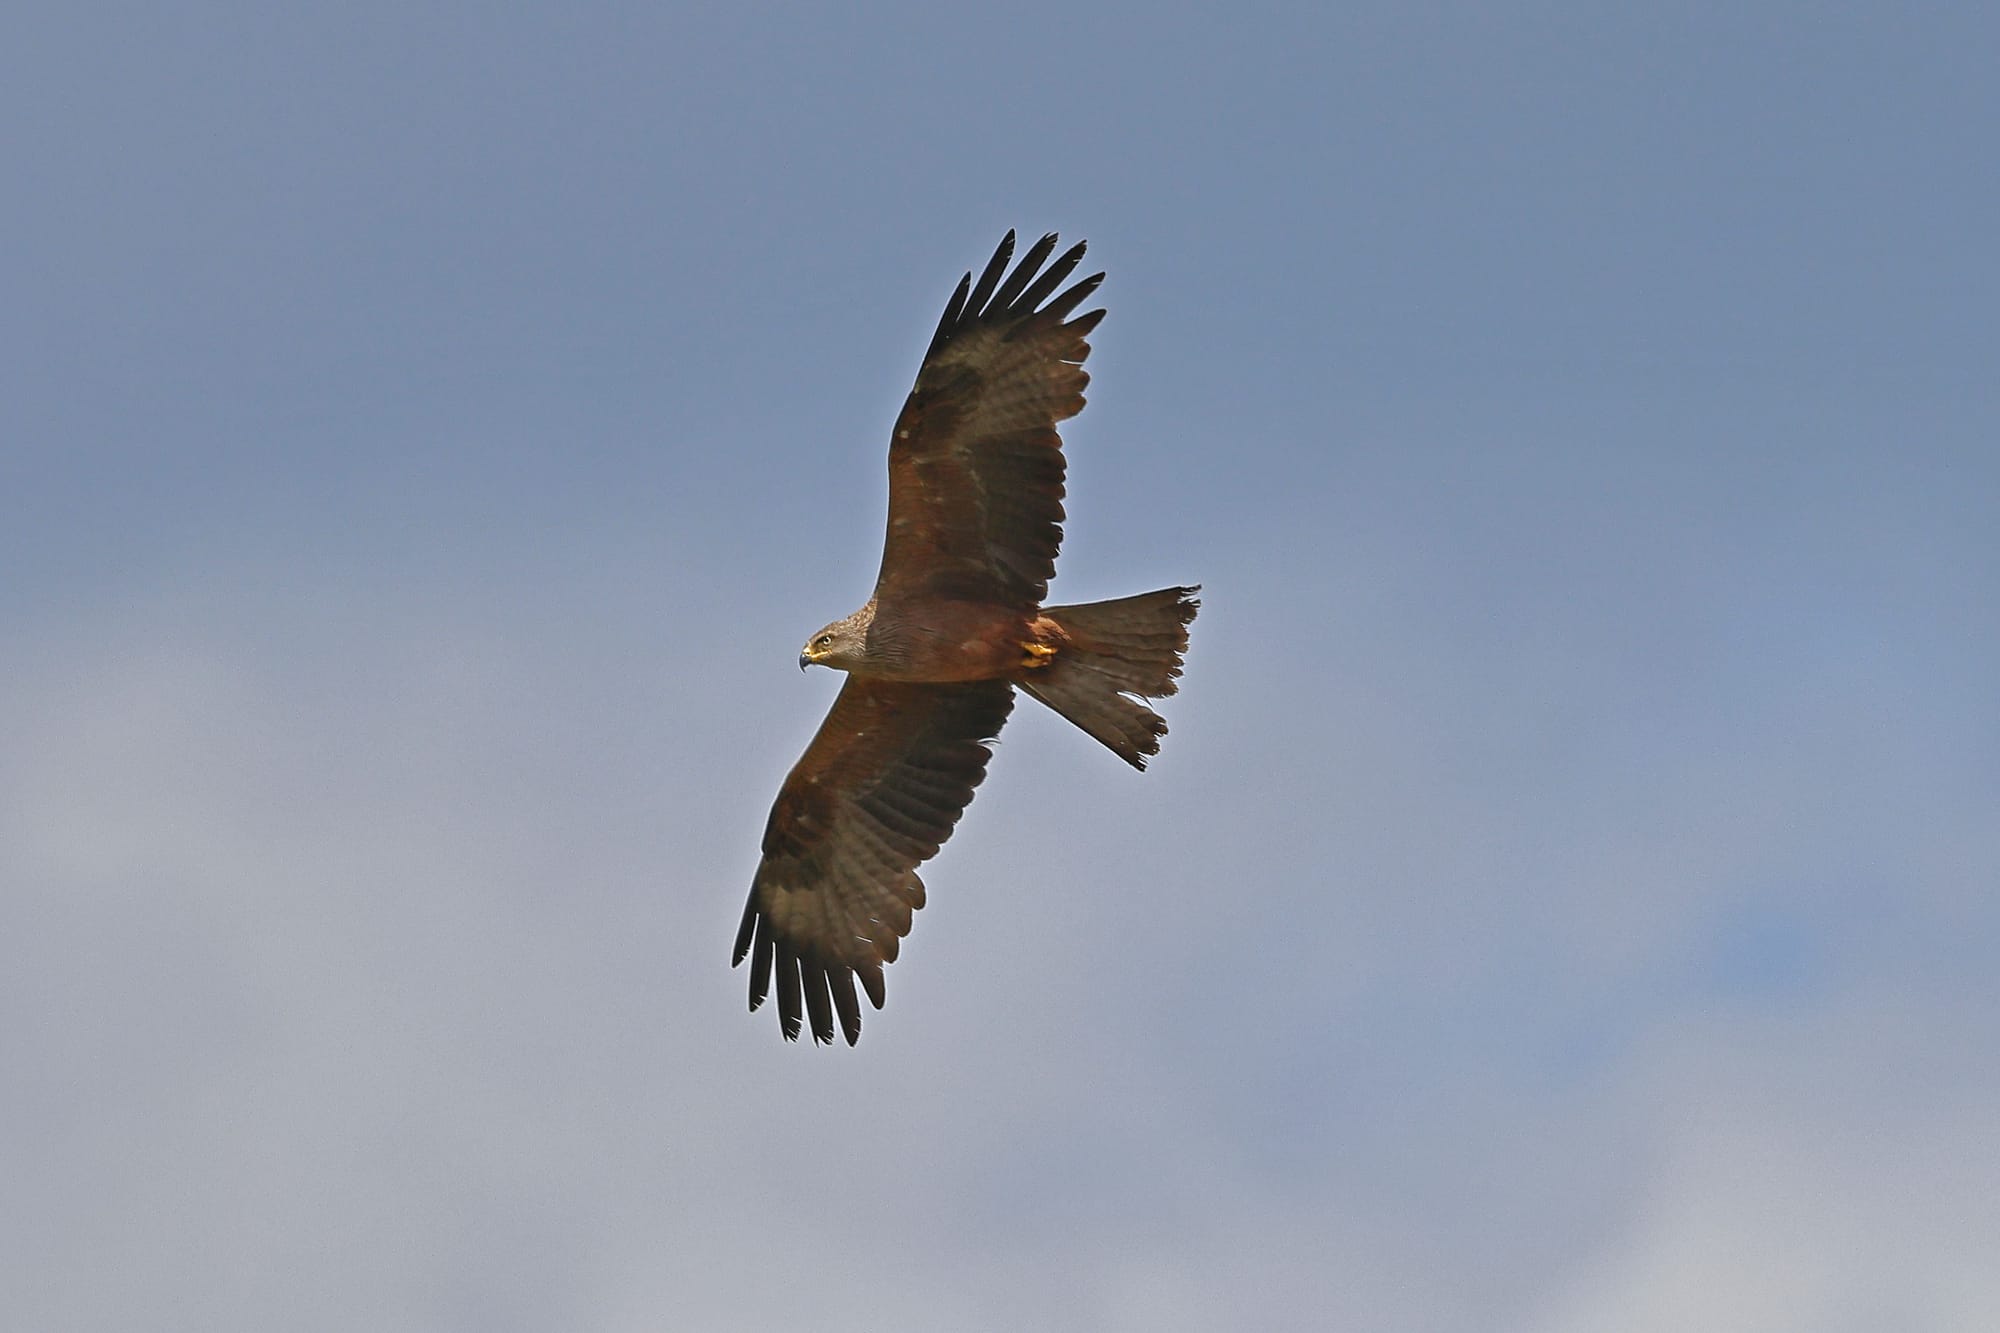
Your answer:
<point x="823" y="641"/>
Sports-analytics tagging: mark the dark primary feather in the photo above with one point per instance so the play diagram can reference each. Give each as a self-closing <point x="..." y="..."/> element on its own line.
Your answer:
<point x="874" y="796"/>
<point x="1037" y="255"/>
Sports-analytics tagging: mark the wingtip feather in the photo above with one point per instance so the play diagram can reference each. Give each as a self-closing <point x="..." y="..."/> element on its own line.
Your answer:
<point x="1024" y="272"/>
<point x="989" y="277"/>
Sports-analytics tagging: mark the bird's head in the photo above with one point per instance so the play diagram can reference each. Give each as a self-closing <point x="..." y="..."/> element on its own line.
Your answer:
<point x="839" y="645"/>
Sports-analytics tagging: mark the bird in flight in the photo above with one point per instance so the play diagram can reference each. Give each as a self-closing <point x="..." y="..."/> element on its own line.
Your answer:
<point x="955" y="623"/>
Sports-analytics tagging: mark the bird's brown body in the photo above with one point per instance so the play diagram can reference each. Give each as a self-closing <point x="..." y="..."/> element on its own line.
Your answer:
<point x="942" y="640"/>
<point x="955" y="624"/>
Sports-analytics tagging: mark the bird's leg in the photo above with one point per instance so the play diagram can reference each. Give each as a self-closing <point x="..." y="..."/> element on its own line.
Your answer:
<point x="1037" y="654"/>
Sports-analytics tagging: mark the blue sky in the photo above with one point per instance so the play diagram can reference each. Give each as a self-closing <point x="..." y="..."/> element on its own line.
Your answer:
<point x="1564" y="902"/>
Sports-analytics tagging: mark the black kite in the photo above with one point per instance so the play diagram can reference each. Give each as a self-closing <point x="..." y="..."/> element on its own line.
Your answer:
<point x="956" y="622"/>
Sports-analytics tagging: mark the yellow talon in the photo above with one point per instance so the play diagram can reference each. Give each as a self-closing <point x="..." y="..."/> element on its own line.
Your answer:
<point x="1038" y="655"/>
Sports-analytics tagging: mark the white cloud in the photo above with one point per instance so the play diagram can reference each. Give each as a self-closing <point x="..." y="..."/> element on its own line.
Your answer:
<point x="375" y="975"/>
<point x="1835" y="1171"/>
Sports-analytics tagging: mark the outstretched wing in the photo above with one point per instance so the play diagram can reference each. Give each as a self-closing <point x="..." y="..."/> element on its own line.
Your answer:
<point x="975" y="464"/>
<point x="875" y="795"/>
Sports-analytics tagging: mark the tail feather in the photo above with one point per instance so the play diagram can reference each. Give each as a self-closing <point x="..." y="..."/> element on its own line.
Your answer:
<point x="1109" y="652"/>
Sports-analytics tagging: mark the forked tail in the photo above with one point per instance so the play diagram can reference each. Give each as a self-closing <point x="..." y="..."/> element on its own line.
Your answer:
<point x="1113" y="655"/>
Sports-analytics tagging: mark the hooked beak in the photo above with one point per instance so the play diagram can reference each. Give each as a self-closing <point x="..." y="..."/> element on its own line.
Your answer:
<point x="804" y="661"/>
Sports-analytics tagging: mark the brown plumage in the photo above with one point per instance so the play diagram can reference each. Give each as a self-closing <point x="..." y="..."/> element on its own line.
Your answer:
<point x="956" y="621"/>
